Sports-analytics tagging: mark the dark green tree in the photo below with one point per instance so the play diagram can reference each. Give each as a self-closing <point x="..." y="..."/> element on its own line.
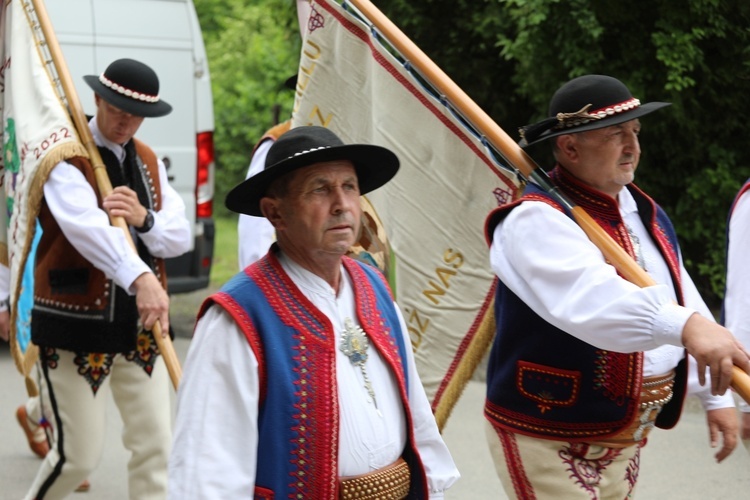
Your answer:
<point x="509" y="56"/>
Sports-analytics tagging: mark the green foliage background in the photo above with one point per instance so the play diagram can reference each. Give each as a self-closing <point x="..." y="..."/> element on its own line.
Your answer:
<point x="252" y="47"/>
<point x="510" y="56"/>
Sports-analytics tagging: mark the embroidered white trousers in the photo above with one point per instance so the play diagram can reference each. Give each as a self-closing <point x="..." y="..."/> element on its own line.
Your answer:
<point x="532" y="468"/>
<point x="79" y="415"/>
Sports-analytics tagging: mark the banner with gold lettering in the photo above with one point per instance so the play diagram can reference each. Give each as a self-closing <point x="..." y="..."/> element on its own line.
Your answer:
<point x="37" y="133"/>
<point x="433" y="211"/>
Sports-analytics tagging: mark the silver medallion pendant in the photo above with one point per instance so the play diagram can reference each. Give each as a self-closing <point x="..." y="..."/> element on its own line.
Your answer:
<point x="354" y="345"/>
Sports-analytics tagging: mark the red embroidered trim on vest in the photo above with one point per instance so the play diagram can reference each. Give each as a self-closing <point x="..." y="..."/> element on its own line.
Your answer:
<point x="239" y="315"/>
<point x="316" y="354"/>
<point x="372" y="322"/>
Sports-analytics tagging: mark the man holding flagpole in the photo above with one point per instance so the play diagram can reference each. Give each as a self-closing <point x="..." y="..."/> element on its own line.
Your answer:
<point x="584" y="363"/>
<point x="96" y="299"/>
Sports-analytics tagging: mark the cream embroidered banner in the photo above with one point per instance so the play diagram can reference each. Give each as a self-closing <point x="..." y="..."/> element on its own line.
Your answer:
<point x="37" y="134"/>
<point x="433" y="211"/>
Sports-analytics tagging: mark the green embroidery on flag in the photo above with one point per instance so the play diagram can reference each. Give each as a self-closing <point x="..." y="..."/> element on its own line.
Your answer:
<point x="10" y="148"/>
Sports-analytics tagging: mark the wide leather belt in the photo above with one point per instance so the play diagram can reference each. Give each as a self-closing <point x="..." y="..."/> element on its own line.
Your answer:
<point x="389" y="483"/>
<point x="655" y="393"/>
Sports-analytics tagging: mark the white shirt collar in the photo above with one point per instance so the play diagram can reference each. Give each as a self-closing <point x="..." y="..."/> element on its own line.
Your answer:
<point x="308" y="281"/>
<point x="626" y="202"/>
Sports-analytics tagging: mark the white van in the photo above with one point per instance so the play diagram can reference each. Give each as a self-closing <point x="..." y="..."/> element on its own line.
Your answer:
<point x="166" y="35"/>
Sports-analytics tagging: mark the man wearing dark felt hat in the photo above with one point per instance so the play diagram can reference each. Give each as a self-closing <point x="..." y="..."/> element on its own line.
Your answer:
<point x="300" y="379"/>
<point x="95" y="299"/>
<point x="584" y="363"/>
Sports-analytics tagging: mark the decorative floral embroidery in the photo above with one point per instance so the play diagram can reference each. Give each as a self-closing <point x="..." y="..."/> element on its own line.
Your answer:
<point x="94" y="367"/>
<point x="50" y="357"/>
<point x="146" y="352"/>
<point x="634" y="467"/>
<point x="586" y="473"/>
<point x="670" y="255"/>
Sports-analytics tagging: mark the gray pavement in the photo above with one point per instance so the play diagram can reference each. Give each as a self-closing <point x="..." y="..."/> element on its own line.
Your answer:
<point x="676" y="464"/>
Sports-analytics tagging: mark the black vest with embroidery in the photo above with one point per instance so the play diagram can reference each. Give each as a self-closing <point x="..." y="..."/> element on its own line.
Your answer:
<point x="545" y="383"/>
<point x="76" y="307"/>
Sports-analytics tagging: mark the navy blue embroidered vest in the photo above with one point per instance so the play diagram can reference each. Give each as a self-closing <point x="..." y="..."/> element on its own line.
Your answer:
<point x="295" y="346"/>
<point x="545" y="383"/>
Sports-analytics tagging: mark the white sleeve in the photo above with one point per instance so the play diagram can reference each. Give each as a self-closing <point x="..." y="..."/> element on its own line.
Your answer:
<point x="170" y="236"/>
<point x="216" y="424"/>
<point x="255" y="234"/>
<point x="545" y="258"/>
<point x="73" y="204"/>
<point x="693" y="300"/>
<point x="439" y="466"/>
<point x="737" y="298"/>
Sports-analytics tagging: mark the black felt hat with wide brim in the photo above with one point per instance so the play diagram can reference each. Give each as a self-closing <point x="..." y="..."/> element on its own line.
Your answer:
<point x="305" y="146"/>
<point x="131" y="86"/>
<point x="586" y="103"/>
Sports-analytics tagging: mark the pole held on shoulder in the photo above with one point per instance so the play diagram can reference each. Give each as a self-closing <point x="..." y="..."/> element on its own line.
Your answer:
<point x="518" y="158"/>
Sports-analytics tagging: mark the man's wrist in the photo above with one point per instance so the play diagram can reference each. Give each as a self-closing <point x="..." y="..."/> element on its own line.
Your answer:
<point x="148" y="222"/>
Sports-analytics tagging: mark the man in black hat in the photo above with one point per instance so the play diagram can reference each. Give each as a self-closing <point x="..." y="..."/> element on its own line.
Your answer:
<point x="95" y="299"/>
<point x="585" y="363"/>
<point x="300" y="379"/>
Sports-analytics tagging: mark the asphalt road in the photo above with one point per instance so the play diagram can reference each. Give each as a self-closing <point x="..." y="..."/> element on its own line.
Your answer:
<point x="676" y="464"/>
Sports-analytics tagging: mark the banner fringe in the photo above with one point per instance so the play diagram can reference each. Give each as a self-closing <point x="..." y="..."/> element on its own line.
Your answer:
<point x="31" y="388"/>
<point x="476" y="351"/>
<point x="25" y="360"/>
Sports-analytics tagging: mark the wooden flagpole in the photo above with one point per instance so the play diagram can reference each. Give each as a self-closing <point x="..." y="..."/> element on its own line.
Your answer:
<point x="518" y="158"/>
<point x="105" y="186"/>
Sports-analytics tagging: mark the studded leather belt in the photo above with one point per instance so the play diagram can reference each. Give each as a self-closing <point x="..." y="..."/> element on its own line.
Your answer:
<point x="389" y="483"/>
<point x="655" y="393"/>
